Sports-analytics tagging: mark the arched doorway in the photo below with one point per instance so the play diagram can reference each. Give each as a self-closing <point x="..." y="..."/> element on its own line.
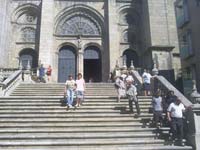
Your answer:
<point x="28" y="57"/>
<point x="66" y="63"/>
<point x="130" y="55"/>
<point x="92" y="64"/>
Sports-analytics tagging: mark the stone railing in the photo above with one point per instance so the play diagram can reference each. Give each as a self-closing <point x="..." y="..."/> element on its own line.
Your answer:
<point x="159" y="82"/>
<point x="10" y="83"/>
<point x="6" y="72"/>
<point x="138" y="79"/>
<point x="192" y="115"/>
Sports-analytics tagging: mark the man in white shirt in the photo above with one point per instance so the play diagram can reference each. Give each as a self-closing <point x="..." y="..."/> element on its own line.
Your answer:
<point x="146" y="77"/>
<point x="69" y="90"/>
<point x="175" y="117"/>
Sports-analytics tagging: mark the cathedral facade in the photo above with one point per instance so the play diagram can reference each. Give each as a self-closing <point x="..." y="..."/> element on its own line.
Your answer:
<point x="89" y="36"/>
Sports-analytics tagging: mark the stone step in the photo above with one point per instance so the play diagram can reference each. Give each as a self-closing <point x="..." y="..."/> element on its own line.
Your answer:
<point x="82" y="142"/>
<point x="62" y="84"/>
<point x="69" y="124"/>
<point x="64" y="111"/>
<point x="35" y="117"/>
<point x="62" y="88"/>
<point x="58" y="98"/>
<point x="54" y="94"/>
<point x="86" y="103"/>
<point x="21" y="120"/>
<point x="63" y="107"/>
<point x="33" y="92"/>
<point x="79" y="129"/>
<point x="122" y="102"/>
<point x="106" y="147"/>
<point x="105" y="135"/>
<point x="75" y="115"/>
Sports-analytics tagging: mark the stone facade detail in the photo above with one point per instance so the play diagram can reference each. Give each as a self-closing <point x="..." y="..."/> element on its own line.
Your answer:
<point x="116" y="31"/>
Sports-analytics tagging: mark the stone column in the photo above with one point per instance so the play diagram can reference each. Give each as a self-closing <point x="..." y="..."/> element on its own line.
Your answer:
<point x="46" y="33"/>
<point x="4" y="32"/>
<point x="80" y="62"/>
<point x="80" y="56"/>
<point x="113" y="37"/>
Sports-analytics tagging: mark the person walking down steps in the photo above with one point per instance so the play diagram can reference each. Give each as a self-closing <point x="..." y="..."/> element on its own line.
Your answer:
<point x="121" y="88"/>
<point x="80" y="89"/>
<point x="69" y="91"/>
<point x="132" y="97"/>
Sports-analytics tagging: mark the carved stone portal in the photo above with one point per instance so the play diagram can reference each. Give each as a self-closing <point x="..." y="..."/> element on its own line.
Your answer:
<point x="78" y="25"/>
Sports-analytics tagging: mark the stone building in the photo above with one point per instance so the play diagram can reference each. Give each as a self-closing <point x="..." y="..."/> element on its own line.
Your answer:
<point x="188" y="23"/>
<point x="89" y="36"/>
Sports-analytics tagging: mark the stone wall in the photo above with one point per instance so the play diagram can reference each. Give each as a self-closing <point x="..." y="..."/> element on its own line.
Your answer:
<point x="155" y="29"/>
<point x="4" y="32"/>
<point x="163" y="31"/>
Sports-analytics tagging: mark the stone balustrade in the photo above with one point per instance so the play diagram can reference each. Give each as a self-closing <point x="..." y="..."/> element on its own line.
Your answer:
<point x="10" y="83"/>
<point x="6" y="72"/>
<point x="192" y="115"/>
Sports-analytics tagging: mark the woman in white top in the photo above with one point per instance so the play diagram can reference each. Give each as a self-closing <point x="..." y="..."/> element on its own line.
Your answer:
<point x="121" y="88"/>
<point x="80" y="89"/>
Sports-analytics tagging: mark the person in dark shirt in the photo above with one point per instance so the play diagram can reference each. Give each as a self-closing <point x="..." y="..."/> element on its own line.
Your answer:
<point x="42" y="73"/>
<point x="170" y="98"/>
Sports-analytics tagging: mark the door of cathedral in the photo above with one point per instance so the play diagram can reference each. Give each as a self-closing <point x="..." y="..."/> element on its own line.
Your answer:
<point x="92" y="64"/>
<point x="66" y="63"/>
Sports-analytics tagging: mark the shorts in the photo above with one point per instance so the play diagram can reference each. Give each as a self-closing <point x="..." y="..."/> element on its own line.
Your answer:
<point x="147" y="86"/>
<point x="80" y="94"/>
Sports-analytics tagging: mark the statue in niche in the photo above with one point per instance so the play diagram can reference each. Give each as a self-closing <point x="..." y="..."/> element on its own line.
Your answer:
<point x="79" y="42"/>
<point x="29" y="18"/>
<point x="155" y="61"/>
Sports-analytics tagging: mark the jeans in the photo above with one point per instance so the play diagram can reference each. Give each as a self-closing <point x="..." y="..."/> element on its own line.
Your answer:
<point x="70" y="96"/>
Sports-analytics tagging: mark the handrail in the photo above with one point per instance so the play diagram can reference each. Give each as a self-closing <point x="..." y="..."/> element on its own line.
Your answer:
<point x="11" y="78"/>
<point x="138" y="79"/>
<point x="163" y="83"/>
<point x="10" y="82"/>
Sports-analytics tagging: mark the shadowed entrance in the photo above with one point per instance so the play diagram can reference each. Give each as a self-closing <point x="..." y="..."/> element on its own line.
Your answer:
<point x="130" y="55"/>
<point x="92" y="64"/>
<point x="28" y="56"/>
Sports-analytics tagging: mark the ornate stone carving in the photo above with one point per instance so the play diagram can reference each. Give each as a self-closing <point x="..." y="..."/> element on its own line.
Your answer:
<point x="28" y="35"/>
<point x="79" y="24"/>
<point x="30" y="18"/>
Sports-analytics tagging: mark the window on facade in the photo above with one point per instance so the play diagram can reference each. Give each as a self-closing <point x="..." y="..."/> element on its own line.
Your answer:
<point x="28" y="35"/>
<point x="182" y="13"/>
<point x="198" y="2"/>
<point x="186" y="45"/>
<point x="125" y="37"/>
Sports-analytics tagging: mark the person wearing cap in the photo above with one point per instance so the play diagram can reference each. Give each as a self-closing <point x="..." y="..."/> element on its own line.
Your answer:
<point x="175" y="117"/>
<point x="69" y="90"/>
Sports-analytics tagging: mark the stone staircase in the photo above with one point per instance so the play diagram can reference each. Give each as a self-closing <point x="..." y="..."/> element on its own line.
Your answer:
<point x="35" y="117"/>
